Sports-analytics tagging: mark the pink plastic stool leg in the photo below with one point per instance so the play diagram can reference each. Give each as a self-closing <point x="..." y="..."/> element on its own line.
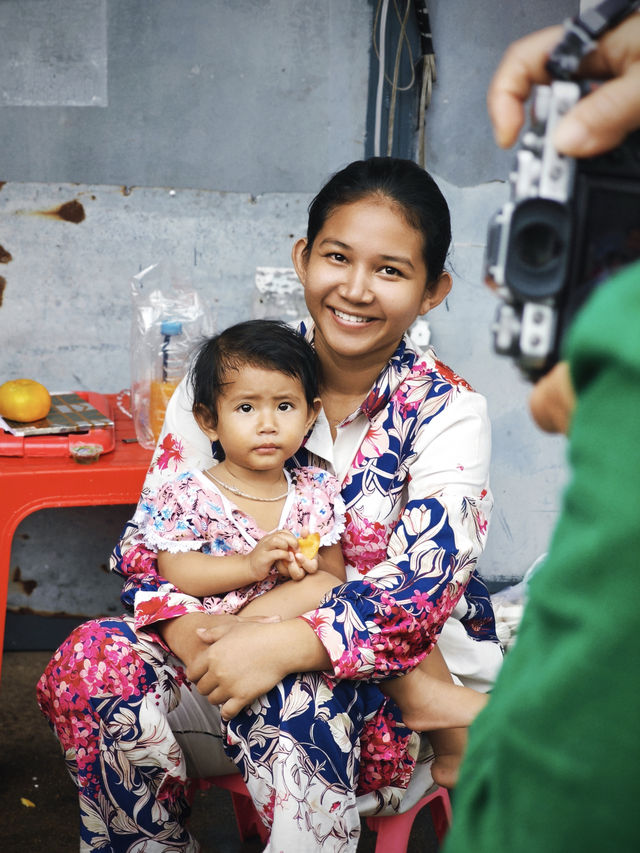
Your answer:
<point x="394" y="830"/>
<point x="247" y="818"/>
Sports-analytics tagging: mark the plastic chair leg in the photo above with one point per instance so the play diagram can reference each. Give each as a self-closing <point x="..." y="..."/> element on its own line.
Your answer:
<point x="247" y="818"/>
<point x="393" y="831"/>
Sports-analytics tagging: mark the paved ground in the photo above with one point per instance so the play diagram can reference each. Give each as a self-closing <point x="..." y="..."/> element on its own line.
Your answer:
<point x="31" y="768"/>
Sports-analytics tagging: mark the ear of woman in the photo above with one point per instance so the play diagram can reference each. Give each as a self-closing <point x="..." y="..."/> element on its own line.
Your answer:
<point x="436" y="292"/>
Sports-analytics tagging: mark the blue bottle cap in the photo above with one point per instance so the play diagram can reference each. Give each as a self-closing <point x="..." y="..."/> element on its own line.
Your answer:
<point x="171" y="327"/>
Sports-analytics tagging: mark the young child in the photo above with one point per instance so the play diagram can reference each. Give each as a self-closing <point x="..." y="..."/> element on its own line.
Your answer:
<point x="230" y="535"/>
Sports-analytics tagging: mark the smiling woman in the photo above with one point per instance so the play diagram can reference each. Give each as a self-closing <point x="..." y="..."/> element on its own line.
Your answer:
<point x="366" y="279"/>
<point x="407" y="443"/>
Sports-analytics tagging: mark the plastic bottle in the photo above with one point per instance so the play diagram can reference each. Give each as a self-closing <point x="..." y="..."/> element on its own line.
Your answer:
<point x="171" y="367"/>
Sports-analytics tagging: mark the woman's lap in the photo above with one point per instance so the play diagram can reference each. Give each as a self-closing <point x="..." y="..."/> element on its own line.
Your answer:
<point x="108" y="693"/>
<point x="135" y="731"/>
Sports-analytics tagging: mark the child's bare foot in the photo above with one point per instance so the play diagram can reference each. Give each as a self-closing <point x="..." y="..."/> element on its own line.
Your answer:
<point x="445" y="769"/>
<point x="449" y="705"/>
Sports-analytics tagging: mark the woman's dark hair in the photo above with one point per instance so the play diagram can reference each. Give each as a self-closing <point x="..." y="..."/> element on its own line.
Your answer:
<point x="403" y="183"/>
<point x="269" y="344"/>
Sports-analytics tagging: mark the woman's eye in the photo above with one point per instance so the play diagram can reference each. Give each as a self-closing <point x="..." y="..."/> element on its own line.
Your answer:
<point x="391" y="271"/>
<point x="336" y="256"/>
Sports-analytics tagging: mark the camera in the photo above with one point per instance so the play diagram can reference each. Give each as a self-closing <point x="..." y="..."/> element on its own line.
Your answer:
<point x="568" y="225"/>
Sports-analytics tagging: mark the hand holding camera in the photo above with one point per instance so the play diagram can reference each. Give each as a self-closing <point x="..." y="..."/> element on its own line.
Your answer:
<point x="569" y="223"/>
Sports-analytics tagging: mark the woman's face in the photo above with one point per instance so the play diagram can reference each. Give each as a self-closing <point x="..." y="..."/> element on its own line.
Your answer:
<point x="365" y="282"/>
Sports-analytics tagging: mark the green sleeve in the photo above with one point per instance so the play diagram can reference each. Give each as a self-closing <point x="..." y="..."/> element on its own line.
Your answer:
<point x="552" y="763"/>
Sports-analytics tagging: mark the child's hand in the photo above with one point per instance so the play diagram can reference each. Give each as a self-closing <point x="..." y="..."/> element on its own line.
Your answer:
<point x="307" y="565"/>
<point x="274" y="548"/>
<point x="303" y="561"/>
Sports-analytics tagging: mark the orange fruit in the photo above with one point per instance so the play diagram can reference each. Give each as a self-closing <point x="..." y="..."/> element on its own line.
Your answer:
<point x="24" y="400"/>
<point x="309" y="545"/>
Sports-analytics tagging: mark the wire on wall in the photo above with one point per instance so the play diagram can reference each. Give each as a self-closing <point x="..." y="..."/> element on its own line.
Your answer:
<point x="422" y="71"/>
<point x="427" y="75"/>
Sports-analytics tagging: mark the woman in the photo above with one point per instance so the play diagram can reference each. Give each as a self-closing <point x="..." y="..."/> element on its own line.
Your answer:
<point x="409" y="442"/>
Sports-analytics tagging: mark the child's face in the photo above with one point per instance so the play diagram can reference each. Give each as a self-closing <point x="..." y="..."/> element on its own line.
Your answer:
<point x="365" y="281"/>
<point x="263" y="417"/>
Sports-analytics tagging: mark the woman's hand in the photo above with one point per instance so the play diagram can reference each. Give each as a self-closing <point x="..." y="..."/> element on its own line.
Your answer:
<point x="247" y="659"/>
<point x="241" y="664"/>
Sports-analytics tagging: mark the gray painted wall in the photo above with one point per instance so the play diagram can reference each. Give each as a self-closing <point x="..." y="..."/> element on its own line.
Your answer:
<point x="197" y="132"/>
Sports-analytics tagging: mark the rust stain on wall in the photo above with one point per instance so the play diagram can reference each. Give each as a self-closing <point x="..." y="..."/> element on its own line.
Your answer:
<point x="70" y="211"/>
<point x="3" y="284"/>
<point x="26" y="586"/>
<point x="5" y="256"/>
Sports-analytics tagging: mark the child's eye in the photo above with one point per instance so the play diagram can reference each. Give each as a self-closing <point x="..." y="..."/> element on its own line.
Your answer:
<point x="285" y="407"/>
<point x="245" y="408"/>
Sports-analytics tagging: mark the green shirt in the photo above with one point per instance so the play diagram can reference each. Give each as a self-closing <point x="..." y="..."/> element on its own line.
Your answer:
<point x="553" y="763"/>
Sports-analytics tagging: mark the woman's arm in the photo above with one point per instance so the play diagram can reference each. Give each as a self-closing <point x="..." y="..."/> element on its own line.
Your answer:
<point x="387" y="622"/>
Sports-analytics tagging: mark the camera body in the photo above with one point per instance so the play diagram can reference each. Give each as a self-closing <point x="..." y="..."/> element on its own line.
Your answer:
<point x="568" y="225"/>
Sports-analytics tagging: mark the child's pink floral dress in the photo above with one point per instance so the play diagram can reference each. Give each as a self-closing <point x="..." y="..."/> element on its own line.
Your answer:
<point x="190" y="513"/>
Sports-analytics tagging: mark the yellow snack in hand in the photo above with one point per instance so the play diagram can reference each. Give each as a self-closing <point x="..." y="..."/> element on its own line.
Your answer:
<point x="309" y="545"/>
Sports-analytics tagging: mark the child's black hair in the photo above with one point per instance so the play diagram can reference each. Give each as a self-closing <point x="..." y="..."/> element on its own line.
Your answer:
<point x="268" y="344"/>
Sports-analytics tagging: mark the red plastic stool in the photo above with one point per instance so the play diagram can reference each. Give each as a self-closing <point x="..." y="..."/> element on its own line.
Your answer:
<point x="247" y="818"/>
<point x="392" y="830"/>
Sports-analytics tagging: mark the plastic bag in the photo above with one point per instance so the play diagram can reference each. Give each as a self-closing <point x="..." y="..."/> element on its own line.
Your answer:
<point x="168" y="320"/>
<point x="509" y="604"/>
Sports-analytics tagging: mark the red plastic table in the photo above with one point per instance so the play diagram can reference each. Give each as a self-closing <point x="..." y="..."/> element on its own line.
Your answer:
<point x="30" y="483"/>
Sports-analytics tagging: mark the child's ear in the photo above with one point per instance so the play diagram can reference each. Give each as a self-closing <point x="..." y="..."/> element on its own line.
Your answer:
<point x="204" y="419"/>
<point x="314" y="411"/>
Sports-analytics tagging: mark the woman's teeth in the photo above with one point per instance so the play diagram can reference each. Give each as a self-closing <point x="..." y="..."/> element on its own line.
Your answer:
<point x="350" y="318"/>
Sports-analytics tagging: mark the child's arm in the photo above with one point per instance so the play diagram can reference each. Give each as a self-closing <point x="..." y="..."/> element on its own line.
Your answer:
<point x="288" y="600"/>
<point x="292" y="598"/>
<point x="330" y="560"/>
<point x="201" y="574"/>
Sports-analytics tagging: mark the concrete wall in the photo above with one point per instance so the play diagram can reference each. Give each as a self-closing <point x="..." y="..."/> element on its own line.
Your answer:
<point x="197" y="133"/>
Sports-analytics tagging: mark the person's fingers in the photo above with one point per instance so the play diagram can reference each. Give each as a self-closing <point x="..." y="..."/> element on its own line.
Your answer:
<point x="522" y="66"/>
<point x="310" y="566"/>
<point x="205" y="681"/>
<point x="552" y="400"/>
<point x="212" y="635"/>
<point x="285" y="539"/>
<point x="216" y="696"/>
<point x="296" y="572"/>
<point x="601" y="120"/>
<point x="230" y="709"/>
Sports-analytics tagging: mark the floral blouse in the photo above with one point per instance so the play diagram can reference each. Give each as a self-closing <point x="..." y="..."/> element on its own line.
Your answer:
<point x="189" y="513"/>
<point x="412" y="462"/>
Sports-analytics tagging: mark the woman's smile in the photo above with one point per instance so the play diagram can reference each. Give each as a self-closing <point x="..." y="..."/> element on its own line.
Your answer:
<point x="365" y="281"/>
<point x="351" y="318"/>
